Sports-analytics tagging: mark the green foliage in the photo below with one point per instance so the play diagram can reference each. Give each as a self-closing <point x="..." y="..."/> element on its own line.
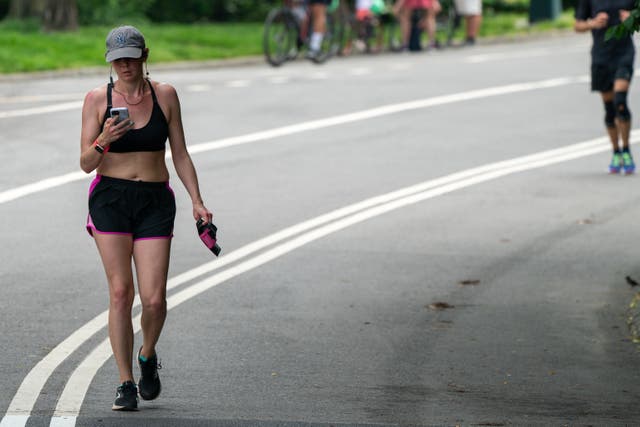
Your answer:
<point x="36" y="51"/>
<point x="26" y="48"/>
<point x="628" y="26"/>
<point x="113" y="12"/>
<point x="509" y="6"/>
<point x="27" y="25"/>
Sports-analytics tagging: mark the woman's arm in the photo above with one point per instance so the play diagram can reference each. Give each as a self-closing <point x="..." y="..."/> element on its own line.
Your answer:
<point x="181" y="158"/>
<point x="92" y="134"/>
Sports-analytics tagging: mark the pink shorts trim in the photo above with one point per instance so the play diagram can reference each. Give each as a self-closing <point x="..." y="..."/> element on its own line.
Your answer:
<point x="154" y="238"/>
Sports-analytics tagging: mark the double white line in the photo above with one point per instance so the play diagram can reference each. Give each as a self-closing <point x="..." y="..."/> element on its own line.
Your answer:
<point x="270" y="134"/>
<point x="255" y="255"/>
<point x="287" y="240"/>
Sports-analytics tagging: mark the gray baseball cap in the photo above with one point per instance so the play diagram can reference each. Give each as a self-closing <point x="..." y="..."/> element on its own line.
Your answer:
<point x="124" y="42"/>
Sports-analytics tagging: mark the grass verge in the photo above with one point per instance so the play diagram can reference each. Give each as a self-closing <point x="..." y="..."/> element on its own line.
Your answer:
<point x="26" y="48"/>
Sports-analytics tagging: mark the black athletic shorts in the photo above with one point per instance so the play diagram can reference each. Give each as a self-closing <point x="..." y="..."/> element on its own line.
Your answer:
<point x="143" y="210"/>
<point x="327" y="2"/>
<point x="603" y="75"/>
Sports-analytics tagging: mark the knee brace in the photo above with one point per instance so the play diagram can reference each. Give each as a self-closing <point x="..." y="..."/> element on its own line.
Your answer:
<point x="609" y="114"/>
<point x="622" y="110"/>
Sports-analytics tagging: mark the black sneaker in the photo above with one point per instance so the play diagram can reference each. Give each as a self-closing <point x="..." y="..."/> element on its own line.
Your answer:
<point x="149" y="383"/>
<point x="126" y="397"/>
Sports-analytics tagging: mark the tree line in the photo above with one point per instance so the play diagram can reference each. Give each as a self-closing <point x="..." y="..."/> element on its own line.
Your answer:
<point x="58" y="15"/>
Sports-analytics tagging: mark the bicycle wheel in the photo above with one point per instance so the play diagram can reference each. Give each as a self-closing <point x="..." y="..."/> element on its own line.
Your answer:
<point x="342" y="28"/>
<point x="329" y="44"/>
<point x="280" y="36"/>
<point x="451" y="22"/>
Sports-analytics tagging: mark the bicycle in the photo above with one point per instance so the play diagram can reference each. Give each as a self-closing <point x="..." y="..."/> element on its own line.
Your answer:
<point x="448" y="20"/>
<point x="286" y="33"/>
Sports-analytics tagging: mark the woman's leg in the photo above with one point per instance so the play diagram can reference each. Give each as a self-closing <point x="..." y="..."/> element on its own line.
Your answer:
<point x="404" y="17"/>
<point x="151" y="258"/>
<point x="116" y="251"/>
<point x="430" y="25"/>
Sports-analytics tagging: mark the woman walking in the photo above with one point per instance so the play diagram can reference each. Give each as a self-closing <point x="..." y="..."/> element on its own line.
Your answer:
<point x="131" y="206"/>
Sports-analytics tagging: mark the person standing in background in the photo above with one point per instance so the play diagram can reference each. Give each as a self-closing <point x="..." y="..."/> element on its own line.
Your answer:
<point x="611" y="72"/>
<point x="472" y="12"/>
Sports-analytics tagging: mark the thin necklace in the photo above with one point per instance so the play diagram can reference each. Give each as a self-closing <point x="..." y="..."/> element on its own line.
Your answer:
<point x="125" y="96"/>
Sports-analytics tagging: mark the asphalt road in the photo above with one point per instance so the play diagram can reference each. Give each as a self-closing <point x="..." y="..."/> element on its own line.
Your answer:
<point x="426" y="239"/>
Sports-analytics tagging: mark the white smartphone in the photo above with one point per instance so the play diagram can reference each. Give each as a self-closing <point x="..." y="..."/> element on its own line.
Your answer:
<point x="119" y="114"/>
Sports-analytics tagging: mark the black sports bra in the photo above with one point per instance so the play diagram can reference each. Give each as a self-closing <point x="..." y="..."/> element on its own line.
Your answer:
<point x="151" y="137"/>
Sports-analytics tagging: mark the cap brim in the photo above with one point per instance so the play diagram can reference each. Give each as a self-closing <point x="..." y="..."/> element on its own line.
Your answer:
<point x="123" y="52"/>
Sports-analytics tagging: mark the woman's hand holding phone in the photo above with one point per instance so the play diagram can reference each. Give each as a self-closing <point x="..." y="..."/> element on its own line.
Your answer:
<point x="115" y="127"/>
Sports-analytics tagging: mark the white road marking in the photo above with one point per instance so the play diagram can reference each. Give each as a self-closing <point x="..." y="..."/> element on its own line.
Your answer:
<point x="319" y="75"/>
<point x="198" y="88"/>
<point x="279" y="79"/>
<point x="42" y="185"/>
<point x="238" y="83"/>
<point x="41" y="98"/>
<point x="22" y="404"/>
<point x="527" y="53"/>
<point x="362" y="71"/>
<point x="400" y="66"/>
<point x="49" y="183"/>
<point x="41" y="110"/>
<point x="73" y="395"/>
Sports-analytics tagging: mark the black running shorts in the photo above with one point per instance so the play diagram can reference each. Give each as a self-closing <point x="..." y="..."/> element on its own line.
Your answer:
<point x="327" y="2"/>
<point x="603" y="75"/>
<point x="143" y="210"/>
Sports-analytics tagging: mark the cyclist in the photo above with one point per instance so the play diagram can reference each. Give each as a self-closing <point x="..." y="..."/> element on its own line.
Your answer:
<point x="611" y="71"/>
<point x="318" y="26"/>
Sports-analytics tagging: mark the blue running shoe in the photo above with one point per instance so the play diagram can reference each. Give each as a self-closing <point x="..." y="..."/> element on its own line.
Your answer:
<point x="616" y="163"/>
<point x="628" y="165"/>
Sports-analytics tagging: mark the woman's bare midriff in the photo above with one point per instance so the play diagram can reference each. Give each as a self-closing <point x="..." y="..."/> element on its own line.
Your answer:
<point x="146" y="166"/>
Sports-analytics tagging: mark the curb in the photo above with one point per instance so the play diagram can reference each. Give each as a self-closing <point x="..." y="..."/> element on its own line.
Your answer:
<point x="162" y="66"/>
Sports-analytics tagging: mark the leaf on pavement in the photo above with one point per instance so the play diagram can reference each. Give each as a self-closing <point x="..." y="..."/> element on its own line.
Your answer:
<point x="440" y="306"/>
<point x="631" y="282"/>
<point x="469" y="282"/>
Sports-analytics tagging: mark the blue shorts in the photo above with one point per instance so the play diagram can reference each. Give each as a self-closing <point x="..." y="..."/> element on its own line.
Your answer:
<point x="143" y="210"/>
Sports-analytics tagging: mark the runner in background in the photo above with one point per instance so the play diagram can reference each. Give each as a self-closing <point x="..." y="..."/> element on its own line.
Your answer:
<point x="611" y="71"/>
<point x="472" y="12"/>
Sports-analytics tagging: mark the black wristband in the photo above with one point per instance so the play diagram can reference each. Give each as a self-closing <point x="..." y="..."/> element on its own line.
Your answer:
<point x="98" y="148"/>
